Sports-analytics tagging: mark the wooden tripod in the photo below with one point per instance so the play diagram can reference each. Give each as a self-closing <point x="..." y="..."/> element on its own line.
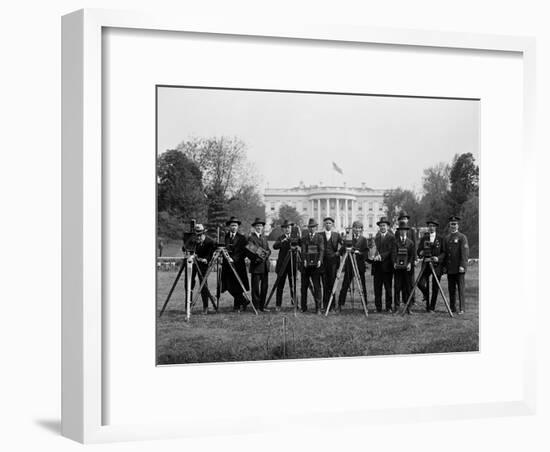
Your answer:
<point x="350" y="254"/>
<point x="221" y="253"/>
<point x="426" y="262"/>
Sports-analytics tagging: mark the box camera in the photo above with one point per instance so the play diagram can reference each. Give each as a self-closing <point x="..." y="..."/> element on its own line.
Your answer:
<point x="371" y="244"/>
<point x="427" y="250"/>
<point x="295" y="236"/>
<point x="189" y="236"/>
<point x="312" y="255"/>
<point x="402" y="259"/>
<point x="348" y="238"/>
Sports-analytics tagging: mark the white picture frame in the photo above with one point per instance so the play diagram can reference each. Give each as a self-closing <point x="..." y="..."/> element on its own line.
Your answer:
<point x="83" y="197"/>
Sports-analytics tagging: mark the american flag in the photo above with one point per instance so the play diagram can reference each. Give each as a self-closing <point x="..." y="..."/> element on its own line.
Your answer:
<point x="336" y="168"/>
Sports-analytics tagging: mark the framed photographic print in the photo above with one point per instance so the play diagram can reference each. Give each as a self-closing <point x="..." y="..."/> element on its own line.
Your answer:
<point x="285" y="210"/>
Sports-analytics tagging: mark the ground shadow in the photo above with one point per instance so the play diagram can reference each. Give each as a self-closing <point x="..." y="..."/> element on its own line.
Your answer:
<point x="52" y="425"/>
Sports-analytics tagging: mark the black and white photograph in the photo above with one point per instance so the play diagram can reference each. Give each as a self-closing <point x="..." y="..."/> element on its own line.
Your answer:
<point x="297" y="225"/>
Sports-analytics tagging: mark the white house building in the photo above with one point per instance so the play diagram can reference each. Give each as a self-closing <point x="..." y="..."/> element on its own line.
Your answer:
<point x="344" y="204"/>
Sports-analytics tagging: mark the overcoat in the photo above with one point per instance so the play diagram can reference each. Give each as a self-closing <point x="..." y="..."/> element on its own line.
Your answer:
<point x="236" y="249"/>
<point x="257" y="265"/>
<point x="437" y="249"/>
<point x="385" y="249"/>
<point x="456" y="252"/>
<point x="315" y="239"/>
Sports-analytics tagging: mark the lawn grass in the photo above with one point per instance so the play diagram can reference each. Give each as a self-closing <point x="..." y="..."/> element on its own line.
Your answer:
<point x="231" y="336"/>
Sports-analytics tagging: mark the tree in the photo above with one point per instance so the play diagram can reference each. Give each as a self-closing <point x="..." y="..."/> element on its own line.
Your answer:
<point x="464" y="178"/>
<point x="435" y="200"/>
<point x="289" y="213"/>
<point x="397" y="200"/>
<point x="469" y="224"/>
<point x="180" y="189"/>
<point x="246" y="204"/>
<point x="226" y="175"/>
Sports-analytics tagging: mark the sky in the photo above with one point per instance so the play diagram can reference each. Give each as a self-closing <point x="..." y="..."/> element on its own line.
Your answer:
<point x="384" y="142"/>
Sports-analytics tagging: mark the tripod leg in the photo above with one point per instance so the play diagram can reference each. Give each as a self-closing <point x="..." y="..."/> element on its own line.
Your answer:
<point x="279" y="276"/>
<point x="407" y="304"/>
<point x="335" y="285"/>
<point x="206" y="275"/>
<point x="441" y="290"/>
<point x="210" y="296"/>
<point x="239" y="280"/>
<point x="188" y="279"/>
<point x="172" y="288"/>
<point x="358" y="283"/>
<point x="218" y="284"/>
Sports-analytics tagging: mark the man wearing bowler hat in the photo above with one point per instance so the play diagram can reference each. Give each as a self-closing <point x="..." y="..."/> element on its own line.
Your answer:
<point x="283" y="244"/>
<point x="259" y="267"/>
<point x="456" y="261"/>
<point x="312" y="271"/>
<point x="204" y="249"/>
<point x="432" y="241"/>
<point x="332" y="242"/>
<point x="403" y="249"/>
<point x="235" y="243"/>
<point x="382" y="266"/>
<point x="412" y="234"/>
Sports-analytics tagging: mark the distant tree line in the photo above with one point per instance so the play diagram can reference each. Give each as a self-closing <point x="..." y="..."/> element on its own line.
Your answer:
<point x="447" y="189"/>
<point x="206" y="179"/>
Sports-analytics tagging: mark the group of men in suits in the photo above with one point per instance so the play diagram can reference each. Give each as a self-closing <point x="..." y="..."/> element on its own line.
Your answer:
<point x="384" y="253"/>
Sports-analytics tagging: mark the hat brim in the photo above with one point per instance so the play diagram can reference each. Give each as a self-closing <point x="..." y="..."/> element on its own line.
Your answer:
<point x="435" y="223"/>
<point x="403" y="228"/>
<point x="258" y="222"/>
<point x="328" y="219"/>
<point x="310" y="225"/>
<point x="227" y="223"/>
<point x="378" y="223"/>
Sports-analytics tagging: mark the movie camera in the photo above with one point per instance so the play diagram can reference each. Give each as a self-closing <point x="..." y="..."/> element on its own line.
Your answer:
<point x="427" y="249"/>
<point x="348" y="238"/>
<point x="190" y="237"/>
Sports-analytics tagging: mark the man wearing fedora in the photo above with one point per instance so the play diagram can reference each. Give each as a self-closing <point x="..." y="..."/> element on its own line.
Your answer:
<point x="433" y="241"/>
<point x="360" y="250"/>
<point x="314" y="271"/>
<point x="456" y="262"/>
<point x="235" y="243"/>
<point x="412" y="234"/>
<point x="204" y="249"/>
<point x="331" y="260"/>
<point x="382" y="265"/>
<point x="401" y="275"/>
<point x="259" y="268"/>
<point x="283" y="244"/>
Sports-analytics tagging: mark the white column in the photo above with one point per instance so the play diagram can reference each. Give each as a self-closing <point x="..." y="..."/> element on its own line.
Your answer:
<point x="311" y="209"/>
<point x="328" y="207"/>
<point x="338" y="225"/>
<point x="353" y="213"/>
<point x="346" y="213"/>
<point x="319" y="211"/>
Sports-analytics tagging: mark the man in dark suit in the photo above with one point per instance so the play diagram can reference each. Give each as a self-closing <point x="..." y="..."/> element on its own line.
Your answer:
<point x="331" y="261"/>
<point x="382" y="265"/>
<point x="235" y="242"/>
<point x="360" y="249"/>
<point x="456" y="262"/>
<point x="314" y="270"/>
<point x="204" y="249"/>
<point x="412" y="234"/>
<point x="259" y="267"/>
<point x="283" y="244"/>
<point x="403" y="249"/>
<point x="433" y="242"/>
